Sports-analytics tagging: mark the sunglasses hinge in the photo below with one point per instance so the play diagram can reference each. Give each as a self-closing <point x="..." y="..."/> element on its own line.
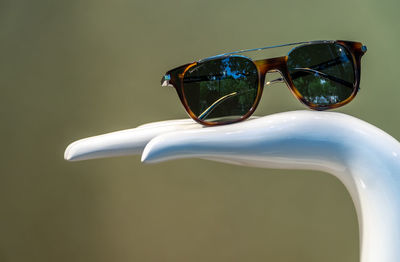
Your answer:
<point x="165" y="80"/>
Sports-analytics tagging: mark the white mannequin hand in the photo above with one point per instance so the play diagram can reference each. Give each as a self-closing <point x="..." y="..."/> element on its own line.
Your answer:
<point x="363" y="157"/>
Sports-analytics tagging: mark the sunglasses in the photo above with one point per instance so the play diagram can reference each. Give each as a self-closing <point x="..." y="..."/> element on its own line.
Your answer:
<point x="227" y="88"/>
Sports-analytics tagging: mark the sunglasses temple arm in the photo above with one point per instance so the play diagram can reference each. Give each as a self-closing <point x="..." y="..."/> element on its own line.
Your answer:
<point x="215" y="104"/>
<point x="315" y="69"/>
<point x="302" y="71"/>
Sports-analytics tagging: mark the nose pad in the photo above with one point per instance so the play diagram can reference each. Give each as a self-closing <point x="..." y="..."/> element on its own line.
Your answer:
<point x="273" y="77"/>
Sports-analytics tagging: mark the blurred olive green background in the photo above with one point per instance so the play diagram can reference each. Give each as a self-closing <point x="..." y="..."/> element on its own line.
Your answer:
<point x="76" y="68"/>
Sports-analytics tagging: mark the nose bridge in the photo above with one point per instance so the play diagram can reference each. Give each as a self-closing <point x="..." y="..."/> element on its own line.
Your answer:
<point x="276" y="63"/>
<point x="273" y="65"/>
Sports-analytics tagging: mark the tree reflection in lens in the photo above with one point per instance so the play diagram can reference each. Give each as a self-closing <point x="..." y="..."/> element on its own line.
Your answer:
<point x="221" y="89"/>
<point x="322" y="73"/>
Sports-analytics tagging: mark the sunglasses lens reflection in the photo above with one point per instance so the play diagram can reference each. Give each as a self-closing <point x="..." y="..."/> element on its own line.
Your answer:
<point x="323" y="74"/>
<point x="221" y="90"/>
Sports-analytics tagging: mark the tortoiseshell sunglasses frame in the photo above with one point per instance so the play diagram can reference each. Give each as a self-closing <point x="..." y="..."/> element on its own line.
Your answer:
<point x="175" y="77"/>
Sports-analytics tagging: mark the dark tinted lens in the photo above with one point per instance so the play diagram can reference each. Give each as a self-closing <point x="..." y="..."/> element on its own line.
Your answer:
<point x="221" y="90"/>
<point x="322" y="73"/>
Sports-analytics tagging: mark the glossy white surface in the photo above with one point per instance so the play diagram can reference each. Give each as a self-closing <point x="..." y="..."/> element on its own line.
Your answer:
<point x="363" y="157"/>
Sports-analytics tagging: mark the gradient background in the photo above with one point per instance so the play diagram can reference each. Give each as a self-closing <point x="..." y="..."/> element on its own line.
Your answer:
<point x="72" y="69"/>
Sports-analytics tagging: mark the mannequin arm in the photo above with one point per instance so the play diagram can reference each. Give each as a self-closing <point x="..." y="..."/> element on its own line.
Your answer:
<point x="363" y="157"/>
